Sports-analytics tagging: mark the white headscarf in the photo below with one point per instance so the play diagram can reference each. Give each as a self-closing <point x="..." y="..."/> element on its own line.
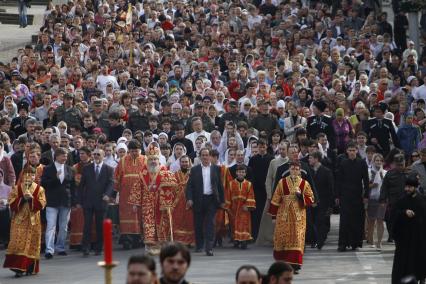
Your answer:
<point x="121" y="145"/>
<point x="243" y="102"/>
<point x="173" y="161"/>
<point x="228" y="163"/>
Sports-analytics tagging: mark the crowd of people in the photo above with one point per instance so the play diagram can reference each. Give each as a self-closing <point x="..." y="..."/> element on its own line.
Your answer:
<point x="200" y="122"/>
<point x="175" y="260"/>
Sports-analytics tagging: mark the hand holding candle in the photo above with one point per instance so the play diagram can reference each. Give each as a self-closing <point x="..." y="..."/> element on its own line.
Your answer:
<point x="108" y="241"/>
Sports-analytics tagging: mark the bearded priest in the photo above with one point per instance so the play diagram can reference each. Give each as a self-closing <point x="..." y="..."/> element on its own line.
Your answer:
<point x="153" y="195"/>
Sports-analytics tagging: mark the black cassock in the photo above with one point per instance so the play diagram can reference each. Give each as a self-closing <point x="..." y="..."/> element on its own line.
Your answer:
<point x="351" y="187"/>
<point x="259" y="165"/>
<point x="409" y="235"/>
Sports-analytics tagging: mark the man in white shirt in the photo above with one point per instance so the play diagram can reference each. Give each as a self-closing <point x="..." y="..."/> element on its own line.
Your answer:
<point x="197" y="126"/>
<point x="204" y="193"/>
<point x="104" y="78"/>
<point x="59" y="185"/>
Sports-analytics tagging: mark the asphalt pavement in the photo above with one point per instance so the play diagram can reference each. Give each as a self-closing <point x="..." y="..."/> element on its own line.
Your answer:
<point x="366" y="266"/>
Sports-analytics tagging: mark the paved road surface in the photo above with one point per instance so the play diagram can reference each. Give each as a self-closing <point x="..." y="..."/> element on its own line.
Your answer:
<point x="364" y="266"/>
<point x="12" y="37"/>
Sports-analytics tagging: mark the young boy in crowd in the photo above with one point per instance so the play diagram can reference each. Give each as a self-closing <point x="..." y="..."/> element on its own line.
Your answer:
<point x="116" y="128"/>
<point x="361" y="142"/>
<point x="239" y="204"/>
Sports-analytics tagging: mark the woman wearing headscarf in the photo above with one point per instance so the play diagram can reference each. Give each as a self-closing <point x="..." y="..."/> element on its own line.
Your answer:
<point x="245" y="106"/>
<point x="173" y="163"/>
<point x="229" y="157"/>
<point x="6" y="166"/>
<point x="9" y="108"/>
<point x="248" y="153"/>
<point x="121" y="151"/>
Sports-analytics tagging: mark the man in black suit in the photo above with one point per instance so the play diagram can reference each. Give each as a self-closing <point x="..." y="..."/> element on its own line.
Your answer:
<point x="58" y="183"/>
<point x="204" y="192"/>
<point x="380" y="130"/>
<point x="324" y="184"/>
<point x="320" y="123"/>
<point x="96" y="186"/>
<point x="17" y="158"/>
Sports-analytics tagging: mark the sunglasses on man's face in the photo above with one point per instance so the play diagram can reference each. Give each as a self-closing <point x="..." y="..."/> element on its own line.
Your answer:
<point x="96" y="154"/>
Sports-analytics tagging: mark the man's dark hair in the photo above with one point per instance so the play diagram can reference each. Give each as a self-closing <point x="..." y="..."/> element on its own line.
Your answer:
<point x="214" y="153"/>
<point x="351" y="144"/>
<point x="60" y="151"/>
<point x="242" y="124"/>
<point x="278" y="268"/>
<point x="85" y="150"/>
<point x="361" y="133"/>
<point x="134" y="145"/>
<point x="205" y="149"/>
<point x="262" y="142"/>
<point x="153" y="118"/>
<point x="370" y="149"/>
<point x="248" y="267"/>
<point x="317" y="155"/>
<point x="305" y="142"/>
<point x="114" y="116"/>
<point x="146" y="260"/>
<point x="241" y="167"/>
<point x="172" y="249"/>
<point x="22" y="140"/>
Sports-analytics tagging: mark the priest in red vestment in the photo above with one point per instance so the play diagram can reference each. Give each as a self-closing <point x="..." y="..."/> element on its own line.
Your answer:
<point x="153" y="195"/>
<point x="23" y="252"/>
<point x="126" y="176"/>
<point x="183" y="223"/>
<point x="288" y="209"/>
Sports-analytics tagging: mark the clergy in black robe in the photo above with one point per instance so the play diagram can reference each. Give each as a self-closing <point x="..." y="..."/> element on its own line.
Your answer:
<point x="324" y="184"/>
<point x="260" y="164"/>
<point x="351" y="193"/>
<point x="409" y="233"/>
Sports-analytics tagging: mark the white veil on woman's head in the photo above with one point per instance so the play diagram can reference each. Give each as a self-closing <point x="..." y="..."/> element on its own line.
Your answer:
<point x="174" y="161"/>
